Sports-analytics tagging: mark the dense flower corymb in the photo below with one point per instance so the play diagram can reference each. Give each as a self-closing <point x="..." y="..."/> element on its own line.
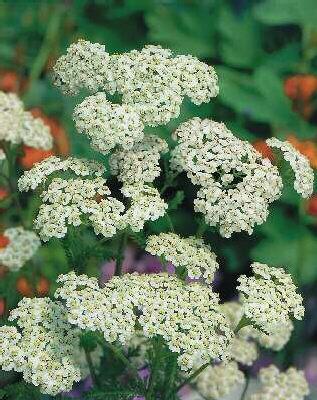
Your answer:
<point x="107" y="124"/>
<point x="41" y="171"/>
<point x="269" y="298"/>
<point x="141" y="162"/>
<point x="186" y="316"/>
<point x="289" y="385"/>
<point x="43" y="347"/>
<point x="216" y="382"/>
<point x="191" y="253"/>
<point x="304" y="174"/>
<point x="21" y="247"/>
<point x="153" y="81"/>
<point x="237" y="184"/>
<point x="68" y="202"/>
<point x="18" y="126"/>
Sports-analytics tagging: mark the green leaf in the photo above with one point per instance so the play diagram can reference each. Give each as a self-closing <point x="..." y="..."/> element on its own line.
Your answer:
<point x="113" y="391"/>
<point x="278" y="12"/>
<point x="176" y="201"/>
<point x="184" y="30"/>
<point x="240" y="39"/>
<point x="288" y="244"/>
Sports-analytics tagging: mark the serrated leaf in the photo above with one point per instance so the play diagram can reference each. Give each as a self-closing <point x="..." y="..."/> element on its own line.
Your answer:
<point x="185" y="30"/>
<point x="240" y="39"/>
<point x="302" y="12"/>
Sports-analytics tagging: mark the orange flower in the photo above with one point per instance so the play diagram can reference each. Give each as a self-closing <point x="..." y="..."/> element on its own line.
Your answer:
<point x="23" y="287"/>
<point x="312" y="206"/>
<point x="62" y="146"/>
<point x="10" y="81"/>
<point x="32" y="156"/>
<point x="42" y="286"/>
<point x="307" y="147"/>
<point x="2" y="306"/>
<point x="4" y="241"/>
<point x="300" y="87"/>
<point x="264" y="149"/>
<point x="4" y="193"/>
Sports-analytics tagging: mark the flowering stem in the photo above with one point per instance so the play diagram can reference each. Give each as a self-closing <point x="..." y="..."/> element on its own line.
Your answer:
<point x="120" y="254"/>
<point x="157" y="345"/>
<point x="171" y="379"/>
<point x="91" y="367"/>
<point x="245" y="390"/>
<point x="120" y="356"/>
<point x="11" y="155"/>
<point x="53" y="28"/>
<point x="192" y="376"/>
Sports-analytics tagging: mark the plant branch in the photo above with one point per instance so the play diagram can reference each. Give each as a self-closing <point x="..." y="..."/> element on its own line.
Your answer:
<point x="192" y="376"/>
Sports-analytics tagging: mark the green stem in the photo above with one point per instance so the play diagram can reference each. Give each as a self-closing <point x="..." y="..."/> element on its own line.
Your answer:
<point x="120" y="356"/>
<point x="52" y="30"/>
<point x="170" y="223"/>
<point x="11" y="155"/>
<point x="171" y="380"/>
<point x="120" y="253"/>
<point x="244" y="321"/>
<point x="91" y="367"/>
<point x="245" y="390"/>
<point x="192" y="377"/>
<point x="157" y="344"/>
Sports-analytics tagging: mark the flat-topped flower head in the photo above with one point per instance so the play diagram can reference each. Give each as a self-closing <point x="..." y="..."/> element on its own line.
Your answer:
<point x="74" y="201"/>
<point x="187" y="317"/>
<point x="156" y="82"/>
<point x="84" y="66"/>
<point x="216" y="382"/>
<point x="141" y="162"/>
<point x="20" y="248"/>
<point x="269" y="298"/>
<point x="108" y="125"/>
<point x="41" y="171"/>
<point x="18" y="126"/>
<point x="304" y="174"/>
<point x="146" y="204"/>
<point x="288" y="385"/>
<point x="274" y="341"/>
<point x="243" y="351"/>
<point x="42" y="347"/>
<point x="153" y="81"/>
<point x="237" y="184"/>
<point x="191" y="253"/>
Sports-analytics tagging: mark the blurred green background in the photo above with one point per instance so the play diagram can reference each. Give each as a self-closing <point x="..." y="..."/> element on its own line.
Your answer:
<point x="265" y="54"/>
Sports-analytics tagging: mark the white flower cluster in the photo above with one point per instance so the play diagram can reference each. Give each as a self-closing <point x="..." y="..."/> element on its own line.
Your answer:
<point x="36" y="176"/>
<point x="141" y="162"/>
<point x="107" y="124"/>
<point x="66" y="202"/>
<point x="86" y="65"/>
<point x="19" y="126"/>
<point x="218" y="381"/>
<point x="243" y="351"/>
<point x="269" y="298"/>
<point x="43" y="346"/>
<point x="304" y="174"/>
<point x="146" y="205"/>
<point x="289" y="385"/>
<point x="191" y="253"/>
<point x="152" y="80"/>
<point x="274" y="341"/>
<point x="155" y="82"/>
<point x="188" y="317"/>
<point x="237" y="184"/>
<point x="22" y="246"/>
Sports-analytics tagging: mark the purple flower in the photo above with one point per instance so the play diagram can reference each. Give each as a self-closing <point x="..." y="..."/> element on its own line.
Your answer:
<point x="79" y="389"/>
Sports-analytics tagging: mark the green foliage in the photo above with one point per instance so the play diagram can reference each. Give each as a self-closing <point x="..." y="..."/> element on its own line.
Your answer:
<point x="20" y="391"/>
<point x="113" y="391"/>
